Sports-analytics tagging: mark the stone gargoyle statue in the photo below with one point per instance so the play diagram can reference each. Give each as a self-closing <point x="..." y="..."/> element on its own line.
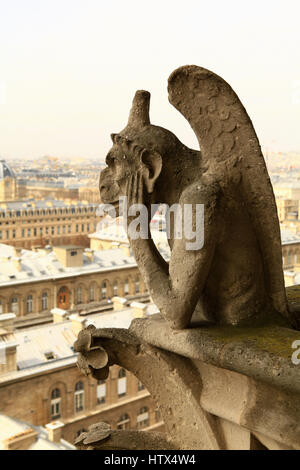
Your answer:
<point x="236" y="277"/>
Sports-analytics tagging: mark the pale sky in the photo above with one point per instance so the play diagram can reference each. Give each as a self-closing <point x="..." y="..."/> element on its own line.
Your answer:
<point x="69" y="68"/>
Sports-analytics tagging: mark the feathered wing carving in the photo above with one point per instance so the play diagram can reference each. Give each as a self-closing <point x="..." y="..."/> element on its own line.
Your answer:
<point x="230" y="149"/>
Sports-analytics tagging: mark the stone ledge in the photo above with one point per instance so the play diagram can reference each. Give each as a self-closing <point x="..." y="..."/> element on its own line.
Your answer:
<point x="264" y="353"/>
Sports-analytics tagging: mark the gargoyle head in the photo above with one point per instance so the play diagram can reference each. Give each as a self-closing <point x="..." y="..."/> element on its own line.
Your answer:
<point x="140" y="147"/>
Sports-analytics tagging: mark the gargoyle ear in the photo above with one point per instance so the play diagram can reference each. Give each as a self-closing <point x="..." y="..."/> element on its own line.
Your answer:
<point x="153" y="163"/>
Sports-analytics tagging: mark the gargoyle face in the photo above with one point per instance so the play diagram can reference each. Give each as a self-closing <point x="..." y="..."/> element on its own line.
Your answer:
<point x="123" y="160"/>
<point x="114" y="177"/>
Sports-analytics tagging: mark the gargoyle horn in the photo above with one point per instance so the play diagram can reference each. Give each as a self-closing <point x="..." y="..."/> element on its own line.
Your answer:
<point x="139" y="114"/>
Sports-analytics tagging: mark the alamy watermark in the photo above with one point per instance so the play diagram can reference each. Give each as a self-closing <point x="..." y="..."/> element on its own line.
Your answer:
<point x="183" y="222"/>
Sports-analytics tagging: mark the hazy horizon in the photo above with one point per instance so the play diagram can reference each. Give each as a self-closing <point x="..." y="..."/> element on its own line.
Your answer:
<point x="69" y="69"/>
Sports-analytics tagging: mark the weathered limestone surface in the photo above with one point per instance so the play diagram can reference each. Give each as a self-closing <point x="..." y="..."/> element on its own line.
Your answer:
<point x="235" y="276"/>
<point x="217" y="388"/>
<point x="229" y="383"/>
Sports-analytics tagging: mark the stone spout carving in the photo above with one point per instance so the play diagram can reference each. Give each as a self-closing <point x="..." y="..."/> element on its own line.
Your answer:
<point x="236" y="278"/>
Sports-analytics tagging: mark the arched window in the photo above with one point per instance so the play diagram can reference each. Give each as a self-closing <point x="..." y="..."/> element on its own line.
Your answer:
<point x="143" y="418"/>
<point x="79" y="295"/>
<point x="44" y="301"/>
<point x="124" y="422"/>
<point x="141" y="386"/>
<point x="79" y="397"/>
<point x="15" y="305"/>
<point x="101" y="392"/>
<point x="115" y="288"/>
<point x="29" y="304"/>
<point x="92" y="293"/>
<point x="137" y="285"/>
<point x="126" y="287"/>
<point x="103" y="290"/>
<point x="55" y="404"/>
<point x="122" y="383"/>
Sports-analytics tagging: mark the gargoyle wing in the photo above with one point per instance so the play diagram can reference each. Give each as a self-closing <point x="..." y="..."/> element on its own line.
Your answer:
<point x="230" y="149"/>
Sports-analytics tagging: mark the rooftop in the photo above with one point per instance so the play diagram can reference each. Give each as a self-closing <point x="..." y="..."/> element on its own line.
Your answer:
<point x="52" y="344"/>
<point x="29" y="266"/>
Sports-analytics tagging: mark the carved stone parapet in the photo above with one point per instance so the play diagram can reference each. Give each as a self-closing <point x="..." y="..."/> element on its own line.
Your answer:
<point x="216" y="388"/>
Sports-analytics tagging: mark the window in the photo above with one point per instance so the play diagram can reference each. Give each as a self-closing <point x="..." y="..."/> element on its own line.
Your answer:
<point x="80" y="432"/>
<point x="82" y="227"/>
<point x="115" y="288"/>
<point x="76" y="227"/>
<point x="122" y="383"/>
<point x="52" y="230"/>
<point x="29" y="232"/>
<point x="141" y="386"/>
<point x="69" y="228"/>
<point x="137" y="285"/>
<point x="34" y="232"/>
<point x="143" y="418"/>
<point x="73" y="253"/>
<point x="58" y="230"/>
<point x="79" y="295"/>
<point x="126" y="287"/>
<point x="101" y="392"/>
<point x="44" y="301"/>
<point x="124" y="422"/>
<point x="29" y="304"/>
<point x="55" y="404"/>
<point x="14" y="233"/>
<point x="79" y="397"/>
<point x="92" y="293"/>
<point x="15" y="305"/>
<point x="103" y="290"/>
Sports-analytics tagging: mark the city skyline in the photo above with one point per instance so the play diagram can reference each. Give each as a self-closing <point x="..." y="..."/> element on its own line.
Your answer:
<point x="70" y="69"/>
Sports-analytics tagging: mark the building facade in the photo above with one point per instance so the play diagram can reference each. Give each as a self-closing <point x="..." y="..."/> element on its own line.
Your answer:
<point x="33" y="282"/>
<point x="42" y="384"/>
<point x="43" y="222"/>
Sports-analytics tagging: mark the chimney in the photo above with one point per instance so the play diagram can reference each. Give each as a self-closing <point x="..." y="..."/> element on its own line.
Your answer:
<point x="89" y="254"/>
<point x="119" y="303"/>
<point x="59" y="315"/>
<point x="139" y="309"/>
<point x="17" y="263"/>
<point x="126" y="249"/>
<point x="18" y="251"/>
<point x="54" y="431"/>
<point x="21" y="441"/>
<point x="78" y="323"/>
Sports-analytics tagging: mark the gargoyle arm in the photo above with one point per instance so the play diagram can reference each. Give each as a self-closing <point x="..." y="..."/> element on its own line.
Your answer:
<point x="176" y="288"/>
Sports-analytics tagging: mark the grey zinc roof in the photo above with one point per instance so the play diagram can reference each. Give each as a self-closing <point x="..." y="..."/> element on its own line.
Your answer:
<point x="36" y="345"/>
<point x="45" y="265"/>
<point x="10" y="427"/>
